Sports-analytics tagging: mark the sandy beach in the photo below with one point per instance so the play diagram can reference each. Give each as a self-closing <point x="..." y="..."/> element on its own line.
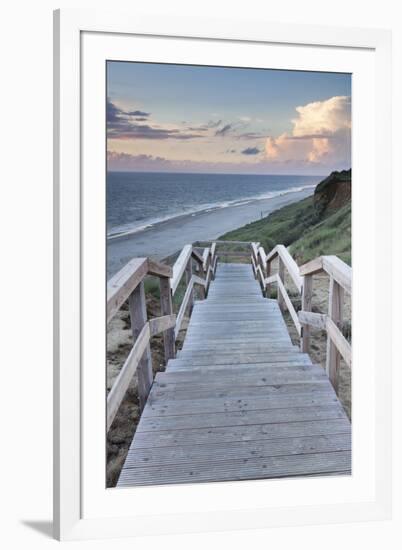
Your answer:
<point x="165" y="238"/>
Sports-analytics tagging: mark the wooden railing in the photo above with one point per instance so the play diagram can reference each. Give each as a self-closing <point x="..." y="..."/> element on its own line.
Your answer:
<point x="261" y="263"/>
<point x="128" y="285"/>
<point x="340" y="281"/>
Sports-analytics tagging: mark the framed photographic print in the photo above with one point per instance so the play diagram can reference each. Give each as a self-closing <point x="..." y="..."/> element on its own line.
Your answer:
<point x="215" y="189"/>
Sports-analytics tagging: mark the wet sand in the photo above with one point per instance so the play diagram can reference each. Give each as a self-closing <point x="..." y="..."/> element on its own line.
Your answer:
<point x="166" y="238"/>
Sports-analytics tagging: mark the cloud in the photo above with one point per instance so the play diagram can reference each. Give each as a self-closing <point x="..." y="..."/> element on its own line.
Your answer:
<point x="138" y="113"/>
<point x="251" y="135"/>
<point x="125" y="125"/>
<point x="323" y="117"/>
<point x="149" y="163"/>
<point x="321" y="133"/>
<point x="224" y="130"/>
<point x="214" y="124"/>
<point x="251" y="151"/>
<point x="126" y="161"/>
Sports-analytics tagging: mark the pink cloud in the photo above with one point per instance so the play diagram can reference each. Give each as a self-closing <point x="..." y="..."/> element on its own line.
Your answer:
<point x="321" y="133"/>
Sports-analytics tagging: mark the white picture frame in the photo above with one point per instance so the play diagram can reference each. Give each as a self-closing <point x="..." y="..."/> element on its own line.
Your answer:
<point x="83" y="508"/>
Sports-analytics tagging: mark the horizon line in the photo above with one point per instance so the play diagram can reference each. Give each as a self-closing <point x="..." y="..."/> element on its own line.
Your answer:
<point x="219" y="173"/>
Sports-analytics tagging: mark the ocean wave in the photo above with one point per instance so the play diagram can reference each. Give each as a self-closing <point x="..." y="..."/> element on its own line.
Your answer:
<point x="123" y="231"/>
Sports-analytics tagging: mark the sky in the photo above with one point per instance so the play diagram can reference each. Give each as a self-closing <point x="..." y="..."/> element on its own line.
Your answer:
<point x="181" y="118"/>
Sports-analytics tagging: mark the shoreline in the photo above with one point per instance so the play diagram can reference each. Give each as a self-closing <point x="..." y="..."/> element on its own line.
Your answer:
<point x="165" y="238"/>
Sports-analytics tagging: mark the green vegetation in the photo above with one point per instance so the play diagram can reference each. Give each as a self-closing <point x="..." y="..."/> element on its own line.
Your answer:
<point x="331" y="236"/>
<point x="312" y="227"/>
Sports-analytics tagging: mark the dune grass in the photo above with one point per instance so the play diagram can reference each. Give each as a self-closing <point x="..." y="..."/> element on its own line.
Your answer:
<point x="301" y="227"/>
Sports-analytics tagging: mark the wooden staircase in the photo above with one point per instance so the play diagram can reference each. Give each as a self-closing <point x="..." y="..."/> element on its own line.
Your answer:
<point x="239" y="401"/>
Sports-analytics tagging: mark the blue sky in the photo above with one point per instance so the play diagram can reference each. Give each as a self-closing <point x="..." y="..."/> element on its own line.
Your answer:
<point x="219" y="119"/>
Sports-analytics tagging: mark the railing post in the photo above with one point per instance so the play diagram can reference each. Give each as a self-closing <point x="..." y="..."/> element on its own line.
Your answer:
<point x="167" y="309"/>
<point x="307" y="297"/>
<point x="138" y="316"/>
<point x="335" y="312"/>
<point x="281" y="273"/>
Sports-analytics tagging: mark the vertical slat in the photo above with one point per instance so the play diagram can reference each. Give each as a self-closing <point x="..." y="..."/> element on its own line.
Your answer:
<point x="281" y="273"/>
<point x="167" y="309"/>
<point x="138" y="315"/>
<point x="307" y="298"/>
<point x="268" y="274"/>
<point x="335" y="312"/>
<point x="189" y="273"/>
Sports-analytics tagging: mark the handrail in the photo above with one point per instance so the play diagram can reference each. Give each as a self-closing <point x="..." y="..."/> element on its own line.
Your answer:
<point x="121" y="285"/>
<point x="334" y="266"/>
<point x="340" y="275"/>
<point x="292" y="267"/>
<point x="122" y="382"/>
<point x="128" y="284"/>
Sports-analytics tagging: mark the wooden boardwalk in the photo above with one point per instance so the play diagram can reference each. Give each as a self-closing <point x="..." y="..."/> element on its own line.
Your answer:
<point x="239" y="401"/>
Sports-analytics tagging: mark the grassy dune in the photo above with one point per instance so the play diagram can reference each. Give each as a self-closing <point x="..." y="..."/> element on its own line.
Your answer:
<point x="306" y="227"/>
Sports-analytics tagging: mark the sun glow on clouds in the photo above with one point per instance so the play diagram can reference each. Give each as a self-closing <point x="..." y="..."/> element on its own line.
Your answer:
<point x="321" y="132"/>
<point x="320" y="140"/>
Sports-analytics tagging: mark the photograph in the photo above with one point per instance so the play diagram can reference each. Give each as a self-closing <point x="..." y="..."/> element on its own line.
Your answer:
<point x="228" y="272"/>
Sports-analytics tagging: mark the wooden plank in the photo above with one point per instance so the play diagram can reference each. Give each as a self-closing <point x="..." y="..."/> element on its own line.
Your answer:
<point x="291" y="266"/>
<point x="180" y="266"/>
<point x="280" y="280"/>
<point x="160" y="324"/>
<point x="272" y="254"/>
<point x="253" y="376"/>
<point x="227" y="434"/>
<point x="246" y="243"/>
<point x="121" y="285"/>
<point x="240" y="418"/>
<point x="220" y="405"/>
<point x="183" y="307"/>
<point x="167" y="309"/>
<point x="188" y="278"/>
<point x="253" y="266"/>
<point x="159" y="269"/>
<point x="205" y="258"/>
<point x="236" y="368"/>
<point x="267" y="467"/>
<point x="339" y="271"/>
<point x="315" y="320"/>
<point x="312" y="267"/>
<point x="239" y="392"/>
<point x="234" y="254"/>
<point x="139" y="458"/>
<point x="339" y="341"/>
<point x="126" y="374"/>
<point x="335" y="307"/>
<point x="138" y="316"/>
<point x="263" y="371"/>
<point x="214" y="265"/>
<point x="197" y="257"/>
<point x="307" y="299"/>
<point x="289" y="305"/>
<point x="261" y="277"/>
<point x="254" y="249"/>
<point x="271" y="279"/>
<point x="213" y="251"/>
<point x="198" y="280"/>
<point x="263" y="259"/>
<point x="263" y="346"/>
<point x="241" y="355"/>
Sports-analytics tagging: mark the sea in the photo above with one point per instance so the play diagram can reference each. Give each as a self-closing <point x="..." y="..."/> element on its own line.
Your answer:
<point x="137" y="201"/>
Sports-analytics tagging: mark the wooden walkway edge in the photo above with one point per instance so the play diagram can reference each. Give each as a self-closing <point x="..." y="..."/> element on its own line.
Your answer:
<point x="239" y="401"/>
